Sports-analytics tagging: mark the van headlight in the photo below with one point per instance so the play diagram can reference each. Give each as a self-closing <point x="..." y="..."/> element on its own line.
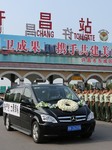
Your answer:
<point x="90" y="116"/>
<point x="48" y="118"/>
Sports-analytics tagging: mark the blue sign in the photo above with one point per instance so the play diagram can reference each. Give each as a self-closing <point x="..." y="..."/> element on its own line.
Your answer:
<point x="15" y="48"/>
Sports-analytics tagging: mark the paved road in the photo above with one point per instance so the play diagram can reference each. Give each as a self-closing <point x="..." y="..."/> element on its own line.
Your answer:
<point x="100" y="140"/>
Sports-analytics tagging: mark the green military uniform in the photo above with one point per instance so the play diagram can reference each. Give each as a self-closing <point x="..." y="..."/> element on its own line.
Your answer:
<point x="102" y="108"/>
<point x="86" y="98"/>
<point x="97" y="109"/>
<point x="91" y="101"/>
<point x="107" y="109"/>
<point x="111" y="107"/>
<point x="80" y="96"/>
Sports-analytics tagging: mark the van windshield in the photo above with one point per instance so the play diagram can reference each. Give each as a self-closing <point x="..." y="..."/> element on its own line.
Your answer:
<point x="54" y="93"/>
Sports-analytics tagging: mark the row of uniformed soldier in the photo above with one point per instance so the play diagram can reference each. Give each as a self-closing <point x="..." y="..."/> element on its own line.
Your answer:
<point x="99" y="101"/>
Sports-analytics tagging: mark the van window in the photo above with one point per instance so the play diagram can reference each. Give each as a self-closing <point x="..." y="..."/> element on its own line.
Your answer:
<point x="10" y="95"/>
<point x="51" y="93"/>
<point x="27" y="95"/>
<point x="14" y="95"/>
<point x="17" y="94"/>
<point x="42" y="93"/>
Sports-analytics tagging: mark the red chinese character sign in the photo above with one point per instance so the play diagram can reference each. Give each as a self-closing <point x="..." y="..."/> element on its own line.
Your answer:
<point x="86" y="31"/>
<point x="45" y="27"/>
<point x="86" y="28"/>
<point x="45" y="21"/>
<point x="28" y="49"/>
<point x="1" y="19"/>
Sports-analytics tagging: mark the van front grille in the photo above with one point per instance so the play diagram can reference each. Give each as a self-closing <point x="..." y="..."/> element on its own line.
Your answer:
<point x="72" y="118"/>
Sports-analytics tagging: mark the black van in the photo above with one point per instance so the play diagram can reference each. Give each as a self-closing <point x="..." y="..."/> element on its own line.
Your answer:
<point x="43" y="110"/>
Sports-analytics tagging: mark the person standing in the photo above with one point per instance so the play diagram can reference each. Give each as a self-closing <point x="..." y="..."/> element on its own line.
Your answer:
<point x="110" y="105"/>
<point x="80" y="95"/>
<point x="97" y="108"/>
<point x="102" y="107"/>
<point x="91" y="100"/>
<point x="85" y="94"/>
<point x="107" y="107"/>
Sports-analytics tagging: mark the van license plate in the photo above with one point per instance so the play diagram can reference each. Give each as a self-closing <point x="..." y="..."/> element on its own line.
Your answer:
<point x="74" y="128"/>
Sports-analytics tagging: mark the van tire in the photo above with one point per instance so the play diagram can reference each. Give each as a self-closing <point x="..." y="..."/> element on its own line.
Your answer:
<point x="36" y="133"/>
<point x="7" y="123"/>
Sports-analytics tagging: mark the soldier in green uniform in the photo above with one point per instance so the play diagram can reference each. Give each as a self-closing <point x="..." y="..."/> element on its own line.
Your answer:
<point x="85" y="94"/>
<point x="97" y="108"/>
<point x="91" y="100"/>
<point x="110" y="105"/>
<point x="102" y="108"/>
<point x="80" y="95"/>
<point x="107" y="109"/>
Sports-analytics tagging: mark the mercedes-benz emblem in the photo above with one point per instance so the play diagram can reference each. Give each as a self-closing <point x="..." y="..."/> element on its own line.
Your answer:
<point x="73" y="118"/>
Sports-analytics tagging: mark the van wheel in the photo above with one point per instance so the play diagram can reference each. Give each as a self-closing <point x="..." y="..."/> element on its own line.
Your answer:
<point x="7" y="123"/>
<point x="36" y="133"/>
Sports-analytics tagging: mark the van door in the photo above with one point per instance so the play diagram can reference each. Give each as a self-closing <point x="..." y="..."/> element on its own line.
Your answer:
<point x="26" y="110"/>
<point x="14" y="100"/>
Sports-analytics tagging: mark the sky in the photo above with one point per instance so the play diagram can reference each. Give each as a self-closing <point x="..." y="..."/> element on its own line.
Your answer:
<point x="64" y="13"/>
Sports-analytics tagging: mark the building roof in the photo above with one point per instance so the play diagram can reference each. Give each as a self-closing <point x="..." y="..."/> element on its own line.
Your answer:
<point x="55" y="67"/>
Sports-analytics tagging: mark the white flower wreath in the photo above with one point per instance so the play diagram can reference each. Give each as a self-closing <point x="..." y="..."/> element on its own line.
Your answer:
<point x="67" y="105"/>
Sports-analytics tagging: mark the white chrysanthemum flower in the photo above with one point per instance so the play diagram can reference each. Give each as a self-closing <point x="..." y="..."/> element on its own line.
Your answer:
<point x="67" y="105"/>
